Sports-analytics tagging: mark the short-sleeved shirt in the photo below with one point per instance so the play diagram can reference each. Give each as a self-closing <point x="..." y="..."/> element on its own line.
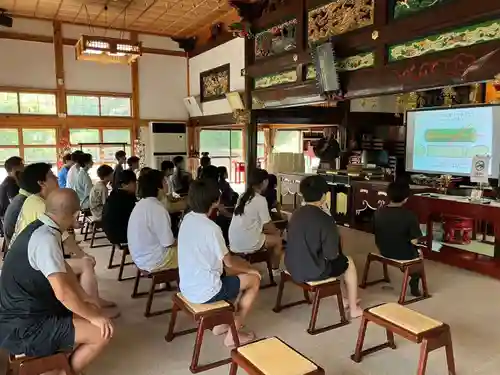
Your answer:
<point x="245" y="231"/>
<point x="116" y="176"/>
<point x="32" y="209"/>
<point x="115" y="215"/>
<point x="8" y="190"/>
<point x="62" y="176"/>
<point x="72" y="176"/>
<point x="149" y="234"/>
<point x="98" y="196"/>
<point x="12" y="213"/>
<point x="27" y="301"/>
<point x="83" y="187"/>
<point x="313" y="242"/>
<point x="201" y="249"/>
<point x="395" y="228"/>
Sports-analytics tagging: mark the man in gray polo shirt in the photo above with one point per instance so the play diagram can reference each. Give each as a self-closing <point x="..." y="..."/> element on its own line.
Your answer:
<point x="43" y="309"/>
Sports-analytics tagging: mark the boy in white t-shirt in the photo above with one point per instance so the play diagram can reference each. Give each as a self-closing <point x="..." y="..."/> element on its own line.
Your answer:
<point x="208" y="272"/>
<point x="251" y="227"/>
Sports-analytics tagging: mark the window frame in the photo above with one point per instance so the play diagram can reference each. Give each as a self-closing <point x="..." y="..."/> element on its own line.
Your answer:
<point x="100" y="145"/>
<point x="18" y="94"/>
<point x="99" y="97"/>
<point x="22" y="146"/>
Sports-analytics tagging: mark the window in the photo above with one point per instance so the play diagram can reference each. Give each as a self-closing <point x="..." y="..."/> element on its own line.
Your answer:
<point x="83" y="105"/>
<point x="260" y="144"/>
<point x="101" y="154"/>
<point x="28" y="103"/>
<point x="8" y="102"/>
<point x="33" y="145"/>
<point x="113" y="106"/>
<point x="42" y="104"/>
<point x="224" y="146"/>
<point x="80" y="105"/>
<point x="288" y="141"/>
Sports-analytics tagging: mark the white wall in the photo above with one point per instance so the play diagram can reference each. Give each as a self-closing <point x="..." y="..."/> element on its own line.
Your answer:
<point x="162" y="78"/>
<point x="232" y="52"/>
<point x="162" y="86"/>
<point x="27" y="64"/>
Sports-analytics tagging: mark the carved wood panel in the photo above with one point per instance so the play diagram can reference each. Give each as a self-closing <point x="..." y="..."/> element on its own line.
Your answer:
<point x="339" y="17"/>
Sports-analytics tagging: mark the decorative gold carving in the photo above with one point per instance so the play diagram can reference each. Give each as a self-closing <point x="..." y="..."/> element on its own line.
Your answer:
<point x="405" y="102"/>
<point x="339" y="17"/>
<point x="449" y="95"/>
<point x="375" y="35"/>
<point x="214" y="83"/>
<point x="241" y="116"/>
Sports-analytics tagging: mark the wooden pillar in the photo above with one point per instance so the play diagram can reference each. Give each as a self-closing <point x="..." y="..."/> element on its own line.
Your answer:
<point x="136" y="115"/>
<point x="381" y="18"/>
<point x="61" y="102"/>
<point x="251" y="124"/>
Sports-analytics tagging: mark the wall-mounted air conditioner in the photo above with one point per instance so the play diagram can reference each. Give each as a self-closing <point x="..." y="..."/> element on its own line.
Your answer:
<point x="166" y="141"/>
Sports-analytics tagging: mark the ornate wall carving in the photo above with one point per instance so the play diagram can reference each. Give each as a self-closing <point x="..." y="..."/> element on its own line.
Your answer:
<point x="361" y="61"/>
<point x="404" y="8"/>
<point x="214" y="83"/>
<point x="339" y="17"/>
<point x="276" y="40"/>
<point x="289" y="76"/>
<point x="462" y="37"/>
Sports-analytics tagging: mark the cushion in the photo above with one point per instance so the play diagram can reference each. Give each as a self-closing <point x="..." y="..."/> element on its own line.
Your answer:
<point x="272" y="357"/>
<point x="403" y="317"/>
<point x="397" y="260"/>
<point x="320" y="282"/>
<point x="197" y="308"/>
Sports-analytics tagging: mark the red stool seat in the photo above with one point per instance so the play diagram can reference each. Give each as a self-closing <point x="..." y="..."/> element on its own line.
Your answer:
<point x="458" y="230"/>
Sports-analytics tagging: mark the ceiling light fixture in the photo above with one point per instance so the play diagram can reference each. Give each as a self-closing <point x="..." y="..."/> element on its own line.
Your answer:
<point x="107" y="50"/>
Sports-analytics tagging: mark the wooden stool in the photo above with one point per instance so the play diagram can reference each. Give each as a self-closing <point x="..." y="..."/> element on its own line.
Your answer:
<point x="409" y="267"/>
<point x="320" y="289"/>
<point x="123" y="262"/>
<point x="23" y="365"/>
<point x="84" y="215"/>
<point x="413" y="326"/>
<point x="158" y="277"/>
<point x="261" y="256"/>
<point x="95" y="226"/>
<point x="272" y="356"/>
<point x="206" y="316"/>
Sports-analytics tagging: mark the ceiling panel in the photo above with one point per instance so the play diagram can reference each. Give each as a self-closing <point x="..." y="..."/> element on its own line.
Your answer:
<point x="180" y="18"/>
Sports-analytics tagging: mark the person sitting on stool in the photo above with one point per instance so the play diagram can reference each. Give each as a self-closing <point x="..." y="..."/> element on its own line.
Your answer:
<point x="43" y="308"/>
<point x="397" y="230"/>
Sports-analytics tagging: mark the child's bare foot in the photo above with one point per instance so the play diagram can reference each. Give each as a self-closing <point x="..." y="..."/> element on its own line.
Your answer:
<point x="244" y="337"/>
<point x="220" y="329"/>
<point x="346" y="302"/>
<point x="356" y="312"/>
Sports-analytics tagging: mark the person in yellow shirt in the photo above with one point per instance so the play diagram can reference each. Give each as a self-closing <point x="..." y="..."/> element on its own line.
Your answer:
<point x="82" y="264"/>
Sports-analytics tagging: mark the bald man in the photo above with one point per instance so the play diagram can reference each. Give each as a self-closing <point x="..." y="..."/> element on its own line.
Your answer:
<point x="43" y="309"/>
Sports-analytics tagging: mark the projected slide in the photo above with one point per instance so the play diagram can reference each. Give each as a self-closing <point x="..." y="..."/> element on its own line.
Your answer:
<point x="445" y="141"/>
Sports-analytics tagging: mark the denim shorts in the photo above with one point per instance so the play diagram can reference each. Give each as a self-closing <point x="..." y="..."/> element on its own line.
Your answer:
<point x="229" y="290"/>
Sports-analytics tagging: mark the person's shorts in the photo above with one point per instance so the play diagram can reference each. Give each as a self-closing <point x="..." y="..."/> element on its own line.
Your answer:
<point x="229" y="291"/>
<point x="169" y="261"/>
<point x="43" y="338"/>
<point x="337" y="267"/>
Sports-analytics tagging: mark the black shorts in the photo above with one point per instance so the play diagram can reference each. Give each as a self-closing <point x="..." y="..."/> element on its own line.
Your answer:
<point x="229" y="290"/>
<point x="45" y="337"/>
<point x="336" y="267"/>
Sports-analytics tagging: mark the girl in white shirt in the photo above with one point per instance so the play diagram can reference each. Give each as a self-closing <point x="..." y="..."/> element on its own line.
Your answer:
<point x="251" y="228"/>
